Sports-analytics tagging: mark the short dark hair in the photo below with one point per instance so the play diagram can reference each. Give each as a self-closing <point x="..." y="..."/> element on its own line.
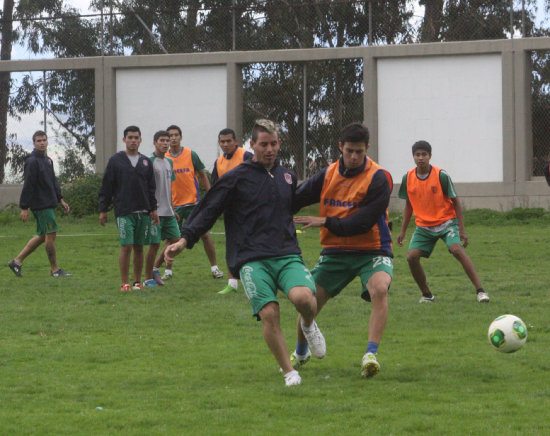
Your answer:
<point x="263" y="125"/>
<point x="355" y="132"/>
<point x="160" y="133"/>
<point x="131" y="129"/>
<point x="422" y="145"/>
<point x="227" y="131"/>
<point x="38" y="133"/>
<point x="173" y="127"/>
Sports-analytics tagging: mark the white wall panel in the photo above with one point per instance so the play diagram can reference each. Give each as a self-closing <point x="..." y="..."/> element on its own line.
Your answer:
<point x="454" y="103"/>
<point x="193" y="98"/>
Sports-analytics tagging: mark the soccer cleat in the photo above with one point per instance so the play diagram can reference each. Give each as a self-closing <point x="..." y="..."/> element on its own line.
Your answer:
<point x="157" y="277"/>
<point x="292" y="378"/>
<point x="299" y="361"/>
<point x="137" y="286"/>
<point x="425" y="299"/>
<point x="217" y="273"/>
<point x="125" y="288"/>
<point x="369" y="365"/>
<point x="167" y="275"/>
<point x="315" y="339"/>
<point x="150" y="283"/>
<point x="60" y="273"/>
<point x="482" y="297"/>
<point x="227" y="290"/>
<point x="15" y="268"/>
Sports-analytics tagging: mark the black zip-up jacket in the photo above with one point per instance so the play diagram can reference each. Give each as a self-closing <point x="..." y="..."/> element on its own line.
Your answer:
<point x="40" y="189"/>
<point x="370" y="210"/>
<point x="133" y="189"/>
<point x="256" y="203"/>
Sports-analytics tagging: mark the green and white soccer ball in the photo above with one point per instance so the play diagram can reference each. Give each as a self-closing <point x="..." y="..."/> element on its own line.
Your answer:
<point x="507" y="333"/>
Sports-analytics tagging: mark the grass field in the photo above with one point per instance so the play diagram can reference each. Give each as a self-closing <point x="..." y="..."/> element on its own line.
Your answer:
<point x="78" y="357"/>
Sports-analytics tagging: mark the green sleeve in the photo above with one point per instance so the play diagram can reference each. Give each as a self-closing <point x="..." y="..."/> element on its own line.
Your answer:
<point x="197" y="163"/>
<point x="403" y="189"/>
<point x="171" y="162"/>
<point x="447" y="184"/>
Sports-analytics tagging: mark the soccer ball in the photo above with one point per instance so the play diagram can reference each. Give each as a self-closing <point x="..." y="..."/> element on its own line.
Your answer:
<point x="507" y="333"/>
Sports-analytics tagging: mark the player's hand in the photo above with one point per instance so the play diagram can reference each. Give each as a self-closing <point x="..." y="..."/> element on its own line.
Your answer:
<point x="65" y="206"/>
<point x="155" y="220"/>
<point x="464" y="239"/>
<point x="310" y="221"/>
<point x="177" y="216"/>
<point x="400" y="238"/>
<point x="174" y="249"/>
<point x="24" y="216"/>
<point x="102" y="218"/>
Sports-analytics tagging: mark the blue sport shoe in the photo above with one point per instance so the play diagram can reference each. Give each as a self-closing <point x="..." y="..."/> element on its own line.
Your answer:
<point x="157" y="278"/>
<point x="150" y="283"/>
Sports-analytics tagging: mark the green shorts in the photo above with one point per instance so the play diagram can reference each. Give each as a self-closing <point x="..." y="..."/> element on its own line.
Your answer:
<point x="167" y="229"/>
<point x="45" y="221"/>
<point x="133" y="229"/>
<point x="184" y="212"/>
<point x="335" y="271"/>
<point x="425" y="241"/>
<point x="262" y="278"/>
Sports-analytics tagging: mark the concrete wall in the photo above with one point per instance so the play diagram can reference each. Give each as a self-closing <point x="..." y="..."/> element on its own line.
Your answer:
<point x="517" y="187"/>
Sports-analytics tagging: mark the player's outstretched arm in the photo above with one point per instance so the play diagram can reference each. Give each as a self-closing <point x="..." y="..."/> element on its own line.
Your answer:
<point x="172" y="250"/>
<point x="310" y="221"/>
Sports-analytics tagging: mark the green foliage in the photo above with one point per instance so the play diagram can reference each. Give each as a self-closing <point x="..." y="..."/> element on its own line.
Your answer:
<point x="9" y="214"/>
<point x="512" y="217"/>
<point x="72" y="167"/>
<point x="81" y="194"/>
<point x="79" y="358"/>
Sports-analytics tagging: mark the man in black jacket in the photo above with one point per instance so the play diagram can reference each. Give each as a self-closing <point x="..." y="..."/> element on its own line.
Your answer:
<point x="130" y="180"/>
<point x="261" y="247"/>
<point x="41" y="194"/>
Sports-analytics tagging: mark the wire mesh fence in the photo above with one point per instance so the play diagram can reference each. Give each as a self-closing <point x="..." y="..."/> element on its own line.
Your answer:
<point x="311" y="100"/>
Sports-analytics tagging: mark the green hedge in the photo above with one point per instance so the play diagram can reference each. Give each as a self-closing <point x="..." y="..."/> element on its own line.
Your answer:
<point x="81" y="195"/>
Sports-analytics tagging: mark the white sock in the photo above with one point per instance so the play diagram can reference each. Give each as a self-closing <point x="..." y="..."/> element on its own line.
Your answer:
<point x="304" y="327"/>
<point x="234" y="283"/>
<point x="168" y="271"/>
<point x="213" y="268"/>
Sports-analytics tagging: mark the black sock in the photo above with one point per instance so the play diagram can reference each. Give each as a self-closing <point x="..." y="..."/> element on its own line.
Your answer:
<point x="479" y="290"/>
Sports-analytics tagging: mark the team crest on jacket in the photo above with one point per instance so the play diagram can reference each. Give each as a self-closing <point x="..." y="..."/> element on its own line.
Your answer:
<point x="288" y="178"/>
<point x="434" y="189"/>
<point x="145" y="162"/>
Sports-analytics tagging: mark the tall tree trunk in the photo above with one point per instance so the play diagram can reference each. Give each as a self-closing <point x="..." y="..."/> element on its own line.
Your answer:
<point x="5" y="55"/>
<point x="431" y="25"/>
<point x="190" y="33"/>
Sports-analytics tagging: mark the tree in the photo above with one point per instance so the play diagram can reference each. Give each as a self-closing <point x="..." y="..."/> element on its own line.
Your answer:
<point x="5" y="54"/>
<point x="433" y="17"/>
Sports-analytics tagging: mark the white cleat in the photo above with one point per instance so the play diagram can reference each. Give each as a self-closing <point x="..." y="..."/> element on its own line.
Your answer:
<point x="482" y="297"/>
<point x="315" y="339"/>
<point x="369" y="365"/>
<point x="217" y="273"/>
<point x="293" y="378"/>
